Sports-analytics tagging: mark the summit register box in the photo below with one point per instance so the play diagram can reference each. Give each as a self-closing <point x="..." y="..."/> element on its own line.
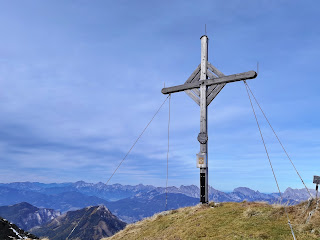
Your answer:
<point x="201" y="160"/>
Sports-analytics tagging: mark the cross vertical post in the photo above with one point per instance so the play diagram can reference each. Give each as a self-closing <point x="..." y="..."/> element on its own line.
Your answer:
<point x="316" y="180"/>
<point x="203" y="120"/>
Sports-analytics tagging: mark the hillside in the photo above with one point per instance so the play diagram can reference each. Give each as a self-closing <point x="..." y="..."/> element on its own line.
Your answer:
<point x="91" y="223"/>
<point x="245" y="220"/>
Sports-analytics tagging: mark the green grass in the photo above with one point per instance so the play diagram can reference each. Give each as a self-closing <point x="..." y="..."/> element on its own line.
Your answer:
<point x="226" y="221"/>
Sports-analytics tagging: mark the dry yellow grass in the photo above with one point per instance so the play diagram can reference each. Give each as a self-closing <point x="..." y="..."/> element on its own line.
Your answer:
<point x="226" y="221"/>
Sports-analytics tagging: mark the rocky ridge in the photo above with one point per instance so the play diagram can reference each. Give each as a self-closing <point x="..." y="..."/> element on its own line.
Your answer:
<point x="26" y="216"/>
<point x="9" y="231"/>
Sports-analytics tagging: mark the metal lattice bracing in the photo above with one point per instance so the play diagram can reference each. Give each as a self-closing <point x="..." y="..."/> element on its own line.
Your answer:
<point x="213" y="91"/>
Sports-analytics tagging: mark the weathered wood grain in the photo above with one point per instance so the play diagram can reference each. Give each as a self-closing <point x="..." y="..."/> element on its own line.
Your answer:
<point x="208" y="82"/>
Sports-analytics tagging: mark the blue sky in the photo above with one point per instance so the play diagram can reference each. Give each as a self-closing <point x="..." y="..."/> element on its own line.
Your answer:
<point x="79" y="80"/>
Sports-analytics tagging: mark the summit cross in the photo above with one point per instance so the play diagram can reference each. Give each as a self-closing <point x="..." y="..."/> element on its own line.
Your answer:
<point x="203" y="86"/>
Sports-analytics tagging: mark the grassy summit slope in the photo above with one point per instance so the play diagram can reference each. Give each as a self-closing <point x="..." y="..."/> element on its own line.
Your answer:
<point x="227" y="221"/>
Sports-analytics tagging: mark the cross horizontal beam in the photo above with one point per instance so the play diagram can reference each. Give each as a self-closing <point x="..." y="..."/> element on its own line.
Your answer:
<point x="209" y="82"/>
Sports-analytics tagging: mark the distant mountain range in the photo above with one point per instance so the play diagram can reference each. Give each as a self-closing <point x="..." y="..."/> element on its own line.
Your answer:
<point x="129" y="203"/>
<point x="65" y="201"/>
<point x="107" y="192"/>
<point x="91" y="223"/>
<point x="137" y="208"/>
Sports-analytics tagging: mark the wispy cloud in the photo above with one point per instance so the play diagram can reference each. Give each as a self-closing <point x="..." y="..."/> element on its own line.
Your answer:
<point x="78" y="85"/>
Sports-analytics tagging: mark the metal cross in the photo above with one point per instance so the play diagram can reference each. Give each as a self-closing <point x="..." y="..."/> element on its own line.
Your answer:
<point x="203" y="86"/>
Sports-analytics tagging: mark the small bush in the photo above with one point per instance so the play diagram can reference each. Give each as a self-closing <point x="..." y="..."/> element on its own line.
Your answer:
<point x="263" y="236"/>
<point x="173" y="211"/>
<point x="249" y="212"/>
